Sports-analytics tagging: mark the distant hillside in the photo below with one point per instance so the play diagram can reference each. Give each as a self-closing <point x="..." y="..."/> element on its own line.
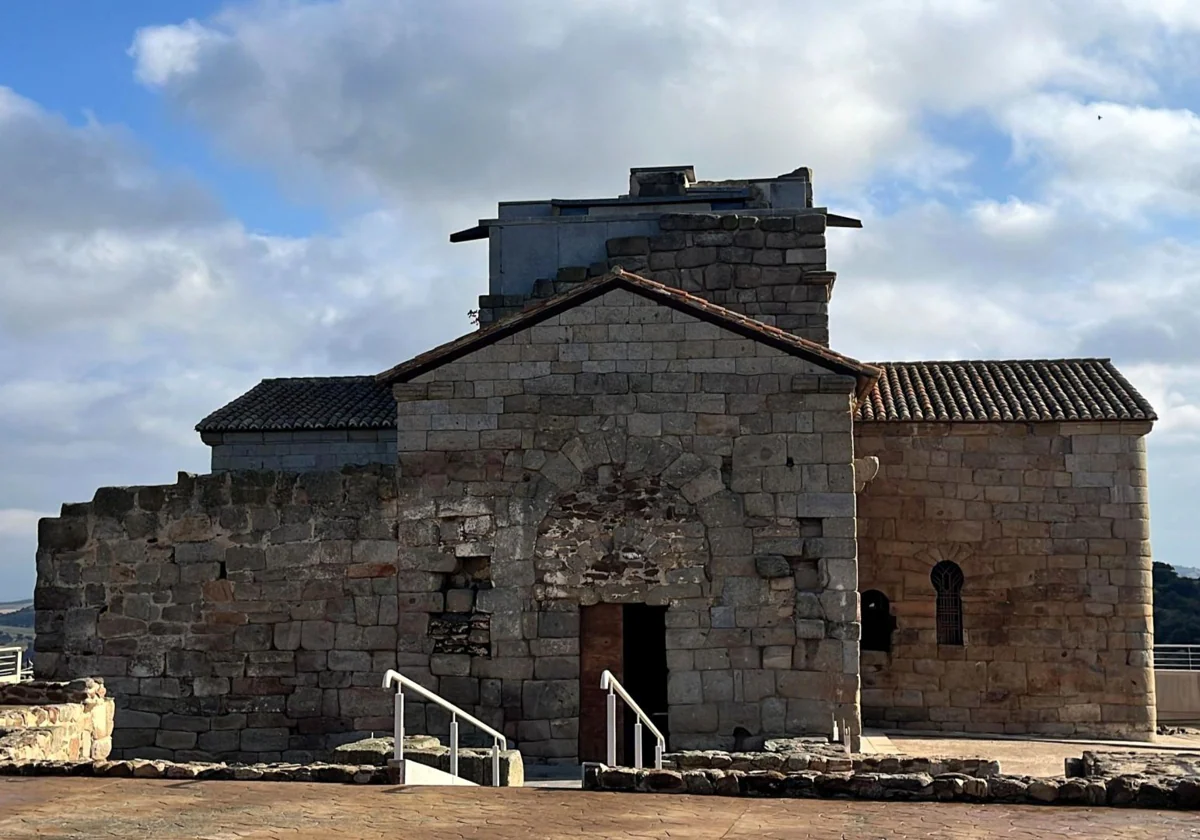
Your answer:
<point x="1176" y="607"/>
<point x="1187" y="571"/>
<point x="16" y="625"/>
<point x="18" y="618"/>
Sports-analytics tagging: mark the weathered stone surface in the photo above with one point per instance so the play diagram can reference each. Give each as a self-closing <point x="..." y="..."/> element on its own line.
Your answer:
<point x="55" y="721"/>
<point x="1020" y="511"/>
<point x="612" y="454"/>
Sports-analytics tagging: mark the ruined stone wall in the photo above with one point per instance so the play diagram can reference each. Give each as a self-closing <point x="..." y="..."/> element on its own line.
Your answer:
<point x="1049" y="523"/>
<point x="55" y="721"/>
<point x="625" y="452"/>
<point x="770" y="267"/>
<point x="245" y="616"/>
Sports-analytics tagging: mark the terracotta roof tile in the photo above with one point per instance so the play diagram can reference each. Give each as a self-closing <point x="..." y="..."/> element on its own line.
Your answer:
<point x="315" y="402"/>
<point x="1033" y="390"/>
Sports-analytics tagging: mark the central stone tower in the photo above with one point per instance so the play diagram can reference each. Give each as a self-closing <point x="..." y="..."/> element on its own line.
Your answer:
<point x="756" y="247"/>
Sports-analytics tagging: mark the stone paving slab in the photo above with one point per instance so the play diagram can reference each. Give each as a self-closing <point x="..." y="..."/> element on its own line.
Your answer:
<point x="170" y="810"/>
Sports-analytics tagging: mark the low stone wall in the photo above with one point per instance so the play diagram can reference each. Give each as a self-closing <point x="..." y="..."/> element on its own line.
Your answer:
<point x="140" y="768"/>
<point x="797" y="762"/>
<point x="1131" y="763"/>
<point x="55" y="721"/>
<point x="1128" y="791"/>
<point x="240" y="617"/>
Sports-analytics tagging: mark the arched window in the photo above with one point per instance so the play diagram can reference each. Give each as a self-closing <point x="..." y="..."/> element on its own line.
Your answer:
<point x="877" y="621"/>
<point x="947" y="581"/>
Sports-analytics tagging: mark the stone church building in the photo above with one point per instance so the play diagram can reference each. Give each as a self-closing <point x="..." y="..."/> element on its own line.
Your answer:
<point x="646" y="459"/>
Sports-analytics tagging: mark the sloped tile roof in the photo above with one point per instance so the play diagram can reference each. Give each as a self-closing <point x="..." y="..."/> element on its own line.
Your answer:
<point x="312" y="402"/>
<point x="1034" y="390"/>
<point x="653" y="290"/>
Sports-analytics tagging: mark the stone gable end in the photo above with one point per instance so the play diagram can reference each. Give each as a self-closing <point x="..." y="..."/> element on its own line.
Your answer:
<point x="623" y="451"/>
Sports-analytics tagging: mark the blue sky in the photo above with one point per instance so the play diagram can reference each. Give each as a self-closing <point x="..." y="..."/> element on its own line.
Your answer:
<point x="72" y="59"/>
<point x="194" y="195"/>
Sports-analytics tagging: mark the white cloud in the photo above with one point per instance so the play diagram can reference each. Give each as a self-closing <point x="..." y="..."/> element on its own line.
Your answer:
<point x="1122" y="161"/>
<point x="131" y="304"/>
<point x="459" y="101"/>
<point x="19" y="522"/>
<point x="1014" y="220"/>
<point x="130" y="308"/>
<point x="166" y="52"/>
<point x="1174" y="391"/>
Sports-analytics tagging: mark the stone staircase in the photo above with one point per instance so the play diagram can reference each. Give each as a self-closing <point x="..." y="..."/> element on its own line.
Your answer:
<point x="426" y="753"/>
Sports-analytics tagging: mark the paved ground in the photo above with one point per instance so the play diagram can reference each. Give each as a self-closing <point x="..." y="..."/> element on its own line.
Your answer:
<point x="169" y="810"/>
<point x="1018" y="757"/>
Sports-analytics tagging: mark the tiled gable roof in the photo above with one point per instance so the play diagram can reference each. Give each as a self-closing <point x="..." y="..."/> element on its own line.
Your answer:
<point x="1035" y="390"/>
<point x="316" y="402"/>
<point x="666" y="295"/>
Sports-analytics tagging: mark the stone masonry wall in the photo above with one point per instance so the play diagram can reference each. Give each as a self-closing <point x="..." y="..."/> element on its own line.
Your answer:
<point x="625" y="452"/>
<point x="620" y="451"/>
<point x="770" y="267"/>
<point x="1049" y="525"/>
<point x="242" y="616"/>
<point x="55" y="721"/>
<point x="301" y="451"/>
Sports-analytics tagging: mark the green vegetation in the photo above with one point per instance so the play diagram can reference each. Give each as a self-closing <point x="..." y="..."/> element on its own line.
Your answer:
<point x="16" y="624"/>
<point x="18" y="618"/>
<point x="1176" y="607"/>
<point x="16" y="636"/>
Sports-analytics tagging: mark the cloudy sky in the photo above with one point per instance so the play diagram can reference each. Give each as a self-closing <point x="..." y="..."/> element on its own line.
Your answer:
<point x="196" y="194"/>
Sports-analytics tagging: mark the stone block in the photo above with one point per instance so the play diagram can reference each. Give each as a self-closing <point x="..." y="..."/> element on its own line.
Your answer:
<point x="263" y="740"/>
<point x="317" y="635"/>
<point x="772" y="566"/>
<point x="544" y="699"/>
<point x="684" y="687"/>
<point x="460" y="600"/>
<point x="711" y="659"/>
<point x="175" y="740"/>
<point x="717" y="686"/>
<point x="753" y="451"/>
<point x="556" y="667"/>
<point x="700" y="718"/>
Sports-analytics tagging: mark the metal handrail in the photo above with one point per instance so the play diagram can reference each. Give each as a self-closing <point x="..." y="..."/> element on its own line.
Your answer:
<point x="12" y="667"/>
<point x="402" y="682"/>
<point x="615" y="689"/>
<point x="1177" y="657"/>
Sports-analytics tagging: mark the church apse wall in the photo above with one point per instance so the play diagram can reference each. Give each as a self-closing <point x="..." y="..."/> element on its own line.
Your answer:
<point x="1015" y="562"/>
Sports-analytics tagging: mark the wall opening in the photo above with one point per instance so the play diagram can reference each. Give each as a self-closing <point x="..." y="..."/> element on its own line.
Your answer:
<point x="947" y="579"/>
<point x="877" y="621"/>
<point x="645" y="654"/>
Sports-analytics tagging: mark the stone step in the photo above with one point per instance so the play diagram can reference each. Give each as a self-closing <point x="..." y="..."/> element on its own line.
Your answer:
<point x="474" y="763"/>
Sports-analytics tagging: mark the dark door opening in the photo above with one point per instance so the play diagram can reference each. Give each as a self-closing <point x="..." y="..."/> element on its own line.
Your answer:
<point x="644" y="649"/>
